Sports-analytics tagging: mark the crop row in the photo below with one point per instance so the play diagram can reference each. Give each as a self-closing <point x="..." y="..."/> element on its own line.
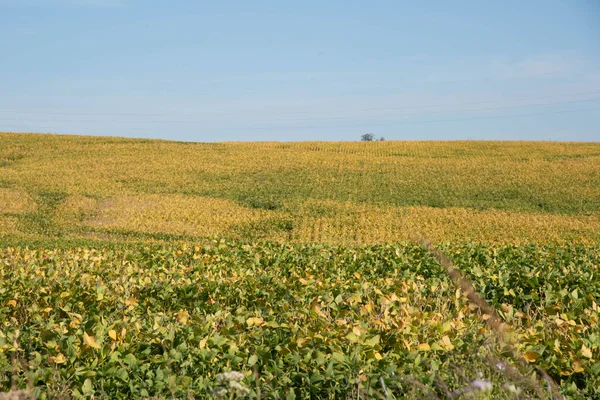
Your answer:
<point x="194" y="217"/>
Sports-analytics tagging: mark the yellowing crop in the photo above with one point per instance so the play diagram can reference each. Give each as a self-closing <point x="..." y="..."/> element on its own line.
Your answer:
<point x="347" y="192"/>
<point x="154" y="269"/>
<point x="15" y="202"/>
<point x="201" y="216"/>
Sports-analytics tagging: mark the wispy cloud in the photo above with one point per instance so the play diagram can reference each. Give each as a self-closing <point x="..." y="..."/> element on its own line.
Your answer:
<point x="540" y="65"/>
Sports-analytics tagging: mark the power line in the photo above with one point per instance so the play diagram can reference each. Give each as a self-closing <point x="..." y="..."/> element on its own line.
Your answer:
<point x="463" y="110"/>
<point x="331" y="118"/>
<point x="128" y="114"/>
<point x="473" y="118"/>
<point x="391" y="123"/>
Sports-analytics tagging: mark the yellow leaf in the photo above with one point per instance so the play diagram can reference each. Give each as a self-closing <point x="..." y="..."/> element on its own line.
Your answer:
<point x="254" y="321"/>
<point x="113" y="334"/>
<point x="90" y="341"/>
<point x="183" y="316"/>
<point x="59" y="359"/>
<point x="301" y="341"/>
<point x="446" y="326"/>
<point x="447" y="343"/>
<point x="99" y="297"/>
<point x="557" y="346"/>
<point x="378" y="356"/>
<point x="12" y="303"/>
<point x="586" y="351"/>
<point x="577" y="366"/>
<point x="531" y="356"/>
<point x="131" y="302"/>
<point x="424" y="347"/>
<point x="64" y="294"/>
<point x="356" y="331"/>
<point x="203" y="343"/>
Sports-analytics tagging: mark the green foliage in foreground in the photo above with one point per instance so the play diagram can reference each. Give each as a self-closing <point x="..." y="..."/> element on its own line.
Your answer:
<point x="298" y="321"/>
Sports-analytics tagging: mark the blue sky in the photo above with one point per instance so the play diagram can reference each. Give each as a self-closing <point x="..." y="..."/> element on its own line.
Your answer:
<point x="310" y="70"/>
